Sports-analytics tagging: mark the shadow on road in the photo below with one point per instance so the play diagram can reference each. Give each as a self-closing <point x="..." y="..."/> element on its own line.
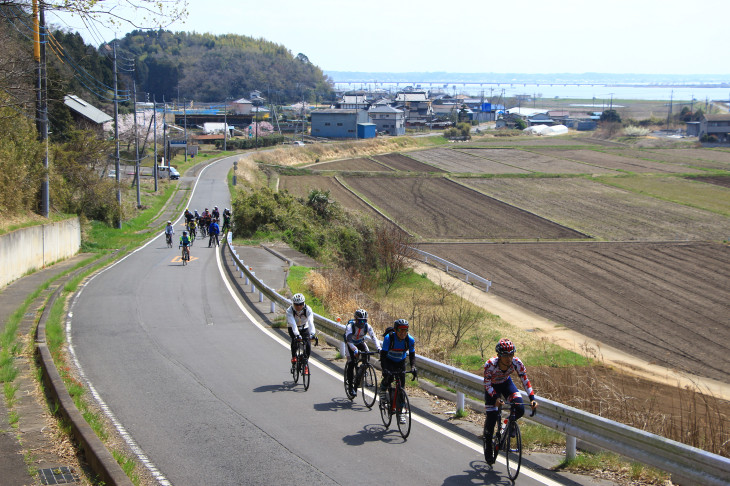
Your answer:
<point x="374" y="433"/>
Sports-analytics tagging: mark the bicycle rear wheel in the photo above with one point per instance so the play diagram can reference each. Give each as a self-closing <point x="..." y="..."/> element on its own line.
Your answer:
<point x="403" y="411"/>
<point x="305" y="372"/>
<point x="513" y="452"/>
<point x="369" y="386"/>
<point x="385" y="414"/>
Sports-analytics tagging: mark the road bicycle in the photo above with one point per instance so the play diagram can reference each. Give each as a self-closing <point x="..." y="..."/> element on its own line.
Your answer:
<point x="507" y="439"/>
<point x="395" y="402"/>
<point x="364" y="378"/>
<point x="300" y="368"/>
<point x="168" y="239"/>
<point x="185" y="255"/>
<point x="191" y="232"/>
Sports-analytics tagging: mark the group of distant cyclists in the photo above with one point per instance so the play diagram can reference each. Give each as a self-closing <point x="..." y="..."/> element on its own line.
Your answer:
<point x="398" y="344"/>
<point x="207" y="222"/>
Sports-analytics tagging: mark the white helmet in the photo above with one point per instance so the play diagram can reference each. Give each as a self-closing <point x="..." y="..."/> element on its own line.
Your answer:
<point x="297" y="299"/>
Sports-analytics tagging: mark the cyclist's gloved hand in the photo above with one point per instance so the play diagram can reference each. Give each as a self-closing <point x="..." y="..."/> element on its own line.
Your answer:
<point x="356" y="352"/>
<point x="533" y="403"/>
<point x="499" y="402"/>
<point x="299" y="338"/>
<point x="415" y="373"/>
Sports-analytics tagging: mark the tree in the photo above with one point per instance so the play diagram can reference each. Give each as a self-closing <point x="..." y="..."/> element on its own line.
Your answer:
<point x="394" y="252"/>
<point x="149" y="12"/>
<point x="610" y="116"/>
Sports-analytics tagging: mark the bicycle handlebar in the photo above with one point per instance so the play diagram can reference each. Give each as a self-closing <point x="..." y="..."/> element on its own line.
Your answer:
<point x="514" y="404"/>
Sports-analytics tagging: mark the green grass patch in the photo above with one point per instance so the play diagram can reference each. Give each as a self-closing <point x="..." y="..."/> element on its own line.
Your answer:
<point x="679" y="190"/>
<point x="295" y="282"/>
<point x="128" y="465"/>
<point x="585" y="461"/>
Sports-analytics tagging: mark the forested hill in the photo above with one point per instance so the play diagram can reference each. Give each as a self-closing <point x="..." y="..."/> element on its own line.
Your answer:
<point x="208" y="68"/>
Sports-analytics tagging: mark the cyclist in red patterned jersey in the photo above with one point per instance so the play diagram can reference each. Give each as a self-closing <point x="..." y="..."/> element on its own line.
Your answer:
<point x="497" y="381"/>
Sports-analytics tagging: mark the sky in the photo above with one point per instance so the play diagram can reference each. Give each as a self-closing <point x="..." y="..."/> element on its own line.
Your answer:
<point x="471" y="36"/>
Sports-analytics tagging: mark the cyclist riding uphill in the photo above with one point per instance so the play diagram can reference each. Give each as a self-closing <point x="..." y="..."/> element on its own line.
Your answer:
<point x="497" y="381"/>
<point x="396" y="344"/>
<point x="185" y="241"/>
<point x="169" y="231"/>
<point x="356" y="331"/>
<point x="300" y="322"/>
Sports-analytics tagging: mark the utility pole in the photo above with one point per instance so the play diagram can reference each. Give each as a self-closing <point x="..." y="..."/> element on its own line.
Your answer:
<point x="39" y="53"/>
<point x="116" y="138"/>
<point x="164" y="134"/>
<point x="154" y="117"/>
<point x="225" y="124"/>
<point x="185" y="130"/>
<point x="136" y="140"/>
<point x="669" y="114"/>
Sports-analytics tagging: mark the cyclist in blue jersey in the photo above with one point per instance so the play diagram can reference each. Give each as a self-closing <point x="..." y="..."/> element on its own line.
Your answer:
<point x="396" y="345"/>
<point x="355" y="333"/>
<point x="498" y="382"/>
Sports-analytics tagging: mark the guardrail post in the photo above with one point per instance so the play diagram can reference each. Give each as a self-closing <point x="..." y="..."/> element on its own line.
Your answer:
<point x="570" y="447"/>
<point x="253" y="287"/>
<point x="273" y="307"/>
<point x="343" y="349"/>
<point x="261" y="295"/>
<point x="247" y="280"/>
<point x="459" y="402"/>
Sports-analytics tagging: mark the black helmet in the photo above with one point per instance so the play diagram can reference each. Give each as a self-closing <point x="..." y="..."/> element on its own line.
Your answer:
<point x="361" y="315"/>
<point x="400" y="324"/>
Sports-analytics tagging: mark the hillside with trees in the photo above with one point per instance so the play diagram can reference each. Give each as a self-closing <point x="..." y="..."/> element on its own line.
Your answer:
<point x="210" y="68"/>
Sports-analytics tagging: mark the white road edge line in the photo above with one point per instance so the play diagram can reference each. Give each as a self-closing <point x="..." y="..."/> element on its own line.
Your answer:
<point x="428" y="423"/>
<point x="161" y="479"/>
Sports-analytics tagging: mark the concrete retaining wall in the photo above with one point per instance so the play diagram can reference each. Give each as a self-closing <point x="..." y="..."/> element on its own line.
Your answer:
<point x="37" y="246"/>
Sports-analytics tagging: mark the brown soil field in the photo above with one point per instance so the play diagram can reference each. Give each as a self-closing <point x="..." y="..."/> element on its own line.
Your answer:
<point x="440" y="208"/>
<point x="520" y="141"/>
<point x="455" y="161"/>
<point x="618" y="162"/>
<point x="668" y="303"/>
<point x="723" y="181"/>
<point x="360" y="164"/>
<point x="300" y="186"/>
<point x="605" y="212"/>
<point x="404" y="163"/>
<point x="536" y="162"/>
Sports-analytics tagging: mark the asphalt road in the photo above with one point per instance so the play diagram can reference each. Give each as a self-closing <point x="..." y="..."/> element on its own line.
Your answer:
<point x="206" y="395"/>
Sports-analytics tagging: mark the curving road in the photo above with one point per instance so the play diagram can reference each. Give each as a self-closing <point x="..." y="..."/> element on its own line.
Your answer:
<point x="205" y="393"/>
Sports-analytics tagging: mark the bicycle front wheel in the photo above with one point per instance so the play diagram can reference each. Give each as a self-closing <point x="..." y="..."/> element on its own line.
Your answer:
<point x="513" y="451"/>
<point x="344" y="380"/>
<point x="295" y="371"/>
<point x="385" y="414"/>
<point x="369" y="386"/>
<point x="404" y="414"/>
<point x="305" y="373"/>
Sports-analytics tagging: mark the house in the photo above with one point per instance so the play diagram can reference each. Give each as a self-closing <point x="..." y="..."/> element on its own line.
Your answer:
<point x="388" y="119"/>
<point x="86" y="115"/>
<point x="559" y="117"/>
<point x="540" y="119"/>
<point x="355" y="100"/>
<point x="416" y="106"/>
<point x="334" y="123"/>
<point x="242" y="106"/>
<point x="715" y="125"/>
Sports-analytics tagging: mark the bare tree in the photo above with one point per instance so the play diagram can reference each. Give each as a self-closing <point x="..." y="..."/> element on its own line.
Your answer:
<point x="460" y="317"/>
<point x="394" y="252"/>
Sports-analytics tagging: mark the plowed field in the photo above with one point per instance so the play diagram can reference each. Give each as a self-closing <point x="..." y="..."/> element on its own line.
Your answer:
<point x="454" y="161"/>
<point x="360" y="164"/>
<point x="677" y="156"/>
<point x="404" y="163"/>
<point x="606" y="212"/>
<point x="535" y="162"/>
<point x="618" y="162"/>
<point x="668" y="303"/>
<point x="440" y="208"/>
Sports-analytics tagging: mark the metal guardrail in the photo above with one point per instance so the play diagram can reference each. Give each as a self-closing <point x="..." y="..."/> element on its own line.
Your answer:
<point x="686" y="464"/>
<point x="428" y="258"/>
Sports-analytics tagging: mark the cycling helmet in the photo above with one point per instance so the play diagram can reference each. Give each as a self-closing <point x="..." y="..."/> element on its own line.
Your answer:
<point x="185" y="233"/>
<point x="361" y="315"/>
<point x="297" y="299"/>
<point x="169" y="222"/>
<point x="505" y="346"/>
<point x="400" y="324"/>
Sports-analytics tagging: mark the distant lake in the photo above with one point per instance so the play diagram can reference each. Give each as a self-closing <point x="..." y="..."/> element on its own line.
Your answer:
<point x="601" y="92"/>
